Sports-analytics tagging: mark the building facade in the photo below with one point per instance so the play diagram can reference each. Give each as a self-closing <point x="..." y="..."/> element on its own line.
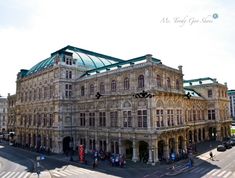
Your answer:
<point x="11" y="114"/>
<point x="138" y="107"/>
<point x="231" y="94"/>
<point x="3" y="115"/>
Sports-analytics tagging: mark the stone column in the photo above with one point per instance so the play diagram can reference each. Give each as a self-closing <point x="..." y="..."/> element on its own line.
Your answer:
<point x="120" y="144"/>
<point x="166" y="149"/>
<point x="150" y="152"/>
<point x="96" y="141"/>
<point x="108" y="149"/>
<point x="156" y="152"/>
<point x="134" y="156"/>
<point x="176" y="146"/>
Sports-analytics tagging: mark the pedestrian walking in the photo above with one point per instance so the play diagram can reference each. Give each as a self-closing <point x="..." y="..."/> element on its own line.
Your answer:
<point x="211" y="156"/>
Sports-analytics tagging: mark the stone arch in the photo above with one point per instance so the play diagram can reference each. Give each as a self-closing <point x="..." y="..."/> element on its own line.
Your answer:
<point x="66" y="147"/>
<point x="143" y="151"/>
<point x="128" y="149"/>
<point x="126" y="104"/>
<point x="159" y="104"/>
<point x="160" y="150"/>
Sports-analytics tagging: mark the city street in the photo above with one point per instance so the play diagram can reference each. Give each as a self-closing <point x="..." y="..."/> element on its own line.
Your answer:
<point x="221" y="167"/>
<point x="19" y="163"/>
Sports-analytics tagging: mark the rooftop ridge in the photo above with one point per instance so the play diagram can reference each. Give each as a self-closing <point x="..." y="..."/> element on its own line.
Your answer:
<point x="87" y="52"/>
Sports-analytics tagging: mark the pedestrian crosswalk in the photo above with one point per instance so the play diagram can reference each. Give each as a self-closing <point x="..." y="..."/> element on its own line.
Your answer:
<point x="208" y="172"/>
<point x="14" y="174"/>
<point x="71" y="171"/>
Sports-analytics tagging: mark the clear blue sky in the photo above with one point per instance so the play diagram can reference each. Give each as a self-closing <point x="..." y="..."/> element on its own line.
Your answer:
<point x="182" y="32"/>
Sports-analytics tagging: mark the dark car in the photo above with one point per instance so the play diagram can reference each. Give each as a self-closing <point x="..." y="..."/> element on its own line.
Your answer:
<point x="227" y="144"/>
<point x="232" y="141"/>
<point x="221" y="148"/>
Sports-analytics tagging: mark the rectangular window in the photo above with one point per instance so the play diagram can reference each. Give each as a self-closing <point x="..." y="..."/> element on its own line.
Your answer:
<point x="211" y="114"/>
<point x="127" y="119"/>
<point x="68" y="90"/>
<point x="102" y="119"/>
<point x="82" y="119"/>
<point x="114" y="119"/>
<point x="142" y="118"/>
<point x="210" y="93"/>
<point x="159" y="118"/>
<point x="170" y="117"/>
<point x="92" y="119"/>
<point x="179" y="117"/>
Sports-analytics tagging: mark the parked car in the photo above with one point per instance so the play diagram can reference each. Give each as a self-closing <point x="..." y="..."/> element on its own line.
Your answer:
<point x="221" y="148"/>
<point x="232" y="141"/>
<point x="227" y="144"/>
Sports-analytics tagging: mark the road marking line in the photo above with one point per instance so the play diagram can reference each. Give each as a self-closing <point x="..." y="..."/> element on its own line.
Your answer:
<point x="221" y="173"/>
<point x="22" y="173"/>
<point x="10" y="174"/>
<point x="226" y="175"/>
<point x="216" y="172"/>
<point x="68" y="172"/>
<point x="54" y="174"/>
<point x="78" y="172"/>
<point x="195" y="169"/>
<point x="74" y="172"/>
<point x="199" y="170"/>
<point x="83" y="171"/>
<point x="6" y="174"/>
<point x="15" y="174"/>
<point x="203" y="172"/>
<point x="26" y="175"/>
<point x="86" y="170"/>
<point x="2" y="173"/>
<point x="60" y="173"/>
<point x="213" y="170"/>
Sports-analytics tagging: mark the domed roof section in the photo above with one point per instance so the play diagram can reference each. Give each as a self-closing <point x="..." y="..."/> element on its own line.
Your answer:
<point x="46" y="63"/>
<point x="89" y="59"/>
<point x="84" y="58"/>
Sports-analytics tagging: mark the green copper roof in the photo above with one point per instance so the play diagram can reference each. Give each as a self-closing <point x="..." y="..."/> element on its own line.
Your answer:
<point x="87" y="59"/>
<point x="191" y="92"/>
<point x="231" y="92"/>
<point x="199" y="81"/>
<point x="121" y="64"/>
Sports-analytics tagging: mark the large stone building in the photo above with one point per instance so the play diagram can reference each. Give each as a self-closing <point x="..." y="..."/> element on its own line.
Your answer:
<point x="134" y="107"/>
<point x="231" y="94"/>
<point x="3" y="115"/>
<point x="11" y="114"/>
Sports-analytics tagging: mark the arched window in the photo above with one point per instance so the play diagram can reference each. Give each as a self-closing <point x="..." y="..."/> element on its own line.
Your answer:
<point x="177" y="84"/>
<point x="82" y="90"/>
<point x="92" y="89"/>
<point x="113" y="86"/>
<point x="102" y="88"/>
<point x="168" y="81"/>
<point x="126" y="84"/>
<point x="141" y="81"/>
<point x="159" y="81"/>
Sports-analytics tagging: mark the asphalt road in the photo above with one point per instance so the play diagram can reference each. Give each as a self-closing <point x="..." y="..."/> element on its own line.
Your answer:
<point x="18" y="163"/>
<point x="223" y="166"/>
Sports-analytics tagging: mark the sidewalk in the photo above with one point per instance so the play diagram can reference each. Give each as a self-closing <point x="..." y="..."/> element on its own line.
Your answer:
<point x="104" y="166"/>
<point x="198" y="158"/>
